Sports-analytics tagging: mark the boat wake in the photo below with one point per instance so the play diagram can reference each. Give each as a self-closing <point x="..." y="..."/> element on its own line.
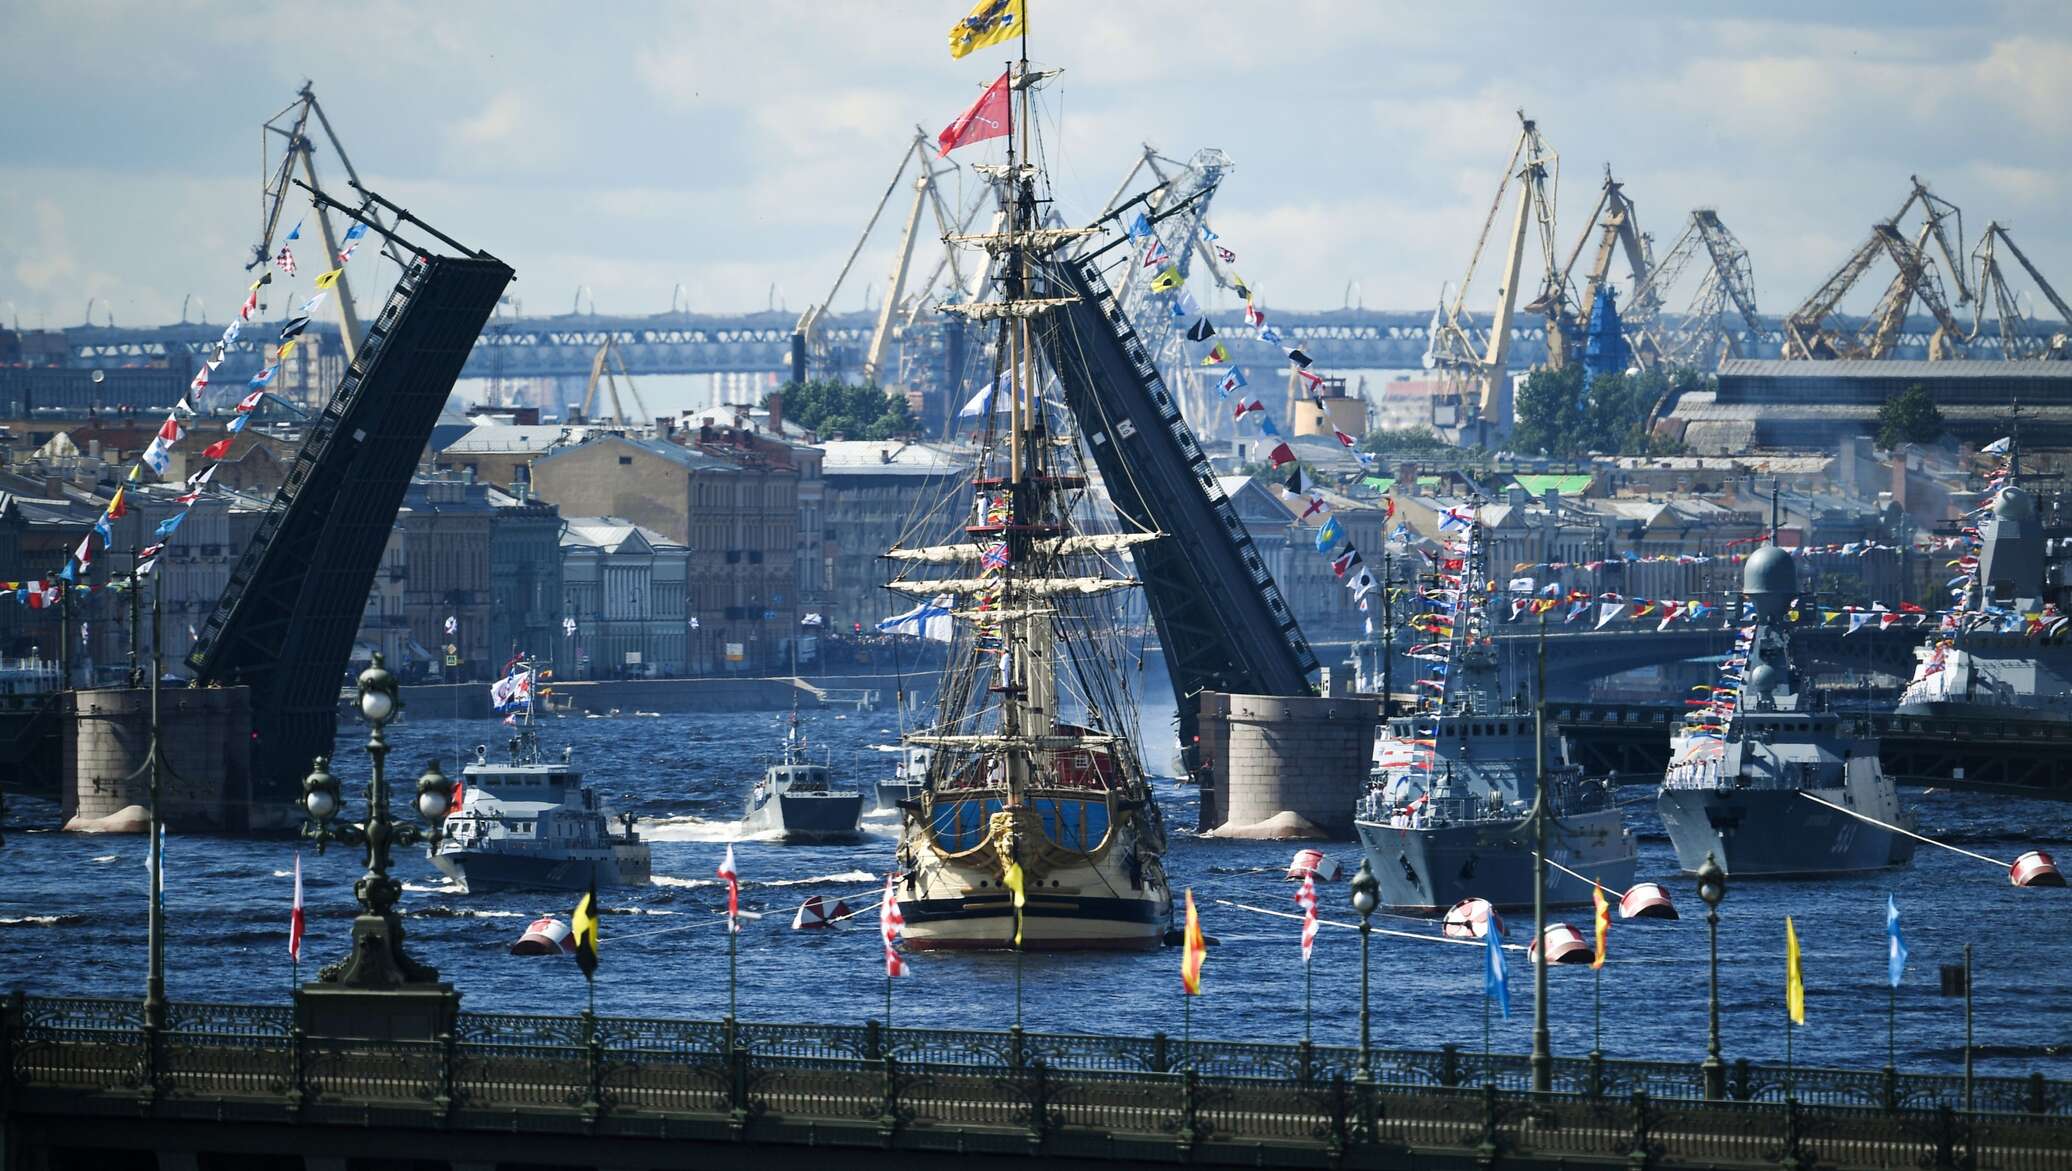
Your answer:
<point x="690" y="828"/>
<point x="846" y="877"/>
<point x="448" y="887"/>
<point x="40" y="920"/>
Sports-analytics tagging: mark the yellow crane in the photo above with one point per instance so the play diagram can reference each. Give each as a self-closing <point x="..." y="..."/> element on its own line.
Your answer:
<point x="601" y="372"/>
<point x="1809" y="331"/>
<point x="2015" y="342"/>
<point x="1466" y="354"/>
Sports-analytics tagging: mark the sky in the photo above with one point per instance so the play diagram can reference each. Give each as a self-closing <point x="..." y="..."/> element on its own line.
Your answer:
<point x="736" y="150"/>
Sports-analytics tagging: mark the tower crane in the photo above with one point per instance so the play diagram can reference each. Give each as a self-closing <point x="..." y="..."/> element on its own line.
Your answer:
<point x="926" y="183"/>
<point x="1464" y="352"/>
<point x="1618" y="226"/>
<point x="1703" y="333"/>
<point x="1808" y="332"/>
<point x="2015" y="342"/>
<point x="601" y="371"/>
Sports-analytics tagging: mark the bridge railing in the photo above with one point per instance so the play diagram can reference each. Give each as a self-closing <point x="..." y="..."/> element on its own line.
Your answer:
<point x="978" y="1092"/>
<point x="89" y="1041"/>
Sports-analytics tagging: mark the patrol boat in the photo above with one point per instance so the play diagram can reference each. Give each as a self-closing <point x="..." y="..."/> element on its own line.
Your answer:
<point x="531" y="824"/>
<point x="2002" y="651"/>
<point x="1036" y="827"/>
<point x="796" y="799"/>
<point x="1448" y="810"/>
<point x="1763" y="788"/>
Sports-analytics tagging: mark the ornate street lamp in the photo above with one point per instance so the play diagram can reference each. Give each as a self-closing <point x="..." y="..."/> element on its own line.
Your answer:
<point x="1712" y="887"/>
<point x="377" y="960"/>
<point x="1366" y="898"/>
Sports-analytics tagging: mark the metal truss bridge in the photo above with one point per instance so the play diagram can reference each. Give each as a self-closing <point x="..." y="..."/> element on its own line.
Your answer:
<point x="753" y="343"/>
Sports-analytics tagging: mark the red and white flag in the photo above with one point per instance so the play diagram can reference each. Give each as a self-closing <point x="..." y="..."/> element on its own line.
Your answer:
<point x="295" y="916"/>
<point x="1306" y="898"/>
<point x="1245" y="407"/>
<point x="991" y="116"/>
<point x="733" y="877"/>
<point x="891" y="925"/>
<point x="172" y="432"/>
<point x="285" y="260"/>
<point x="1254" y="315"/>
<point x="250" y="401"/>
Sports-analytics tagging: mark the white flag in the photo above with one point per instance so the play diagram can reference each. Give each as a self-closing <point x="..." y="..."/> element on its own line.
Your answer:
<point x="1609" y="611"/>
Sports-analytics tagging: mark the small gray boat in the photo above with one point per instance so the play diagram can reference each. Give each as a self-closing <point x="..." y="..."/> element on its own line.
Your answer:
<point x="796" y="798"/>
<point x="531" y="824"/>
<point x="908" y="778"/>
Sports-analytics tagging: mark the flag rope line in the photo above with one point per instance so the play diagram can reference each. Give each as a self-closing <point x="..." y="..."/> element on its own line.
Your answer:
<point x="1907" y="832"/>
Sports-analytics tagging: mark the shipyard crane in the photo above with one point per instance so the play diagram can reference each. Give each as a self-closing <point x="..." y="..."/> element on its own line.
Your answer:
<point x="1191" y="187"/>
<point x="1458" y="347"/>
<point x="2015" y="342"/>
<point x="1809" y="332"/>
<point x="1703" y="333"/>
<point x="929" y="172"/>
<point x="291" y="125"/>
<point x="601" y="371"/>
<point x="1617" y="224"/>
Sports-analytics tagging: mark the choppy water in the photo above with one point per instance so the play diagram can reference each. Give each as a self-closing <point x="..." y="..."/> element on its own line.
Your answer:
<point x="72" y="915"/>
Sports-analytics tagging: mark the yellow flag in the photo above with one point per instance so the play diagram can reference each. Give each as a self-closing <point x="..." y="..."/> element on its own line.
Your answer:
<point x="990" y="22"/>
<point x="287" y="347"/>
<point x="1167" y="280"/>
<point x="1794" y="979"/>
<point x="1604" y="924"/>
<point x="1217" y="355"/>
<point x="326" y="280"/>
<point x="584" y="923"/>
<point x="1012" y="880"/>
<point x="1193" y="951"/>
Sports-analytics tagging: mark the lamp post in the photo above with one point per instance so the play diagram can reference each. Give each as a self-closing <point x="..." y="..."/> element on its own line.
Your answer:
<point x="1366" y="897"/>
<point x="1542" y="1048"/>
<point x="377" y="960"/>
<point x="1712" y="887"/>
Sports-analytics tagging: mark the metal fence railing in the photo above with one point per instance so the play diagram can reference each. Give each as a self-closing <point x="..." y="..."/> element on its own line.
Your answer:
<point x="1095" y="1095"/>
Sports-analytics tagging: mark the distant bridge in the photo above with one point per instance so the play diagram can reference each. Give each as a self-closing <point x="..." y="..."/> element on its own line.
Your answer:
<point x="760" y="342"/>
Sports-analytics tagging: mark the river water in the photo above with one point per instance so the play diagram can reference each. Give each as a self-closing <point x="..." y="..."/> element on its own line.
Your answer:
<point x="72" y="920"/>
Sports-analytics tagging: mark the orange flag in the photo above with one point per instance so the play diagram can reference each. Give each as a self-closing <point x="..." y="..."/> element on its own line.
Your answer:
<point x="1193" y="951"/>
<point x="1604" y="923"/>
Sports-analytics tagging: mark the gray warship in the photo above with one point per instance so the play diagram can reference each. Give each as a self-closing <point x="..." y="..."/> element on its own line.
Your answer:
<point x="1738" y="789"/>
<point x="1446" y="815"/>
<point x="2002" y="649"/>
<point x="531" y="824"/>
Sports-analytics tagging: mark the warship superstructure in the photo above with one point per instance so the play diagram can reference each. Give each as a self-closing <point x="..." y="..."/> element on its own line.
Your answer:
<point x="1741" y="776"/>
<point x="1447" y="812"/>
<point x="2001" y="649"/>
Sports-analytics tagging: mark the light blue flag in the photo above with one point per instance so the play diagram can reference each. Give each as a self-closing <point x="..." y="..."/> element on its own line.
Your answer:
<point x="1896" y="944"/>
<point x="1329" y="535"/>
<point x="1139" y="227"/>
<point x="166" y="526"/>
<point x="1266" y="427"/>
<point x="1496" y="978"/>
<point x="295" y="233"/>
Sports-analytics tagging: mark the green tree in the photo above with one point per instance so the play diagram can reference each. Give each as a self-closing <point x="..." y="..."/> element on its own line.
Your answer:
<point x="1910" y="416"/>
<point x="854" y="410"/>
<point x="1557" y="416"/>
<point x="1404" y="439"/>
<point x="1549" y="412"/>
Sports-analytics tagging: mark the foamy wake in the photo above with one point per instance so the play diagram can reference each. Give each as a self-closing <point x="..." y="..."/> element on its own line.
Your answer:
<point x="697" y="829"/>
<point x="106" y="858"/>
<point x="846" y="877"/>
<point x="448" y="887"/>
<point x="39" y="920"/>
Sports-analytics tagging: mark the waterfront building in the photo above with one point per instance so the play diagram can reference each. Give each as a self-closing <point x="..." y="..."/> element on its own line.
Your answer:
<point x="881" y="493"/>
<point x="626" y="587"/>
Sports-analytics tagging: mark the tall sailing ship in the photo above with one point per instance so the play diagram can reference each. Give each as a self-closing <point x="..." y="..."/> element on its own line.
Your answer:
<point x="1035" y="826"/>
<point x="1448" y="812"/>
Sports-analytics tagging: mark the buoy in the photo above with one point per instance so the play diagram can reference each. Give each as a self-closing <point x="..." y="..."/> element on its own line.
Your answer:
<point x="2035" y="869"/>
<point x="1472" y="919"/>
<point x="1565" y="945"/>
<point x="1646" y="900"/>
<point x="548" y="936"/>
<point x="1314" y="864"/>
<point x="816" y="913"/>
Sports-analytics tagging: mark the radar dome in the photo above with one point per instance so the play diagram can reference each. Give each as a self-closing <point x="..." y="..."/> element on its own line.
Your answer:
<point x="1771" y="571"/>
<point x="1764" y="678"/>
<point x="2014" y="504"/>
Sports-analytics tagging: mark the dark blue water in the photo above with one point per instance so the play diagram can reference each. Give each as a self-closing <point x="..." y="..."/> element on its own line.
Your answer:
<point x="72" y="915"/>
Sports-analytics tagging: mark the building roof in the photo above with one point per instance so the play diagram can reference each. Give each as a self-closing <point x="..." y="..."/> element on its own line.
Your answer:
<point x="1539" y="484"/>
<point x="486" y="438"/>
<point x="685" y="457"/>
<point x="891" y="457"/>
<point x="613" y="534"/>
<point x="1891" y="368"/>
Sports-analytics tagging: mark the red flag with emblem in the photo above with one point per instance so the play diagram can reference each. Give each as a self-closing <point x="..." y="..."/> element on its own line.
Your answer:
<point x="991" y="116"/>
